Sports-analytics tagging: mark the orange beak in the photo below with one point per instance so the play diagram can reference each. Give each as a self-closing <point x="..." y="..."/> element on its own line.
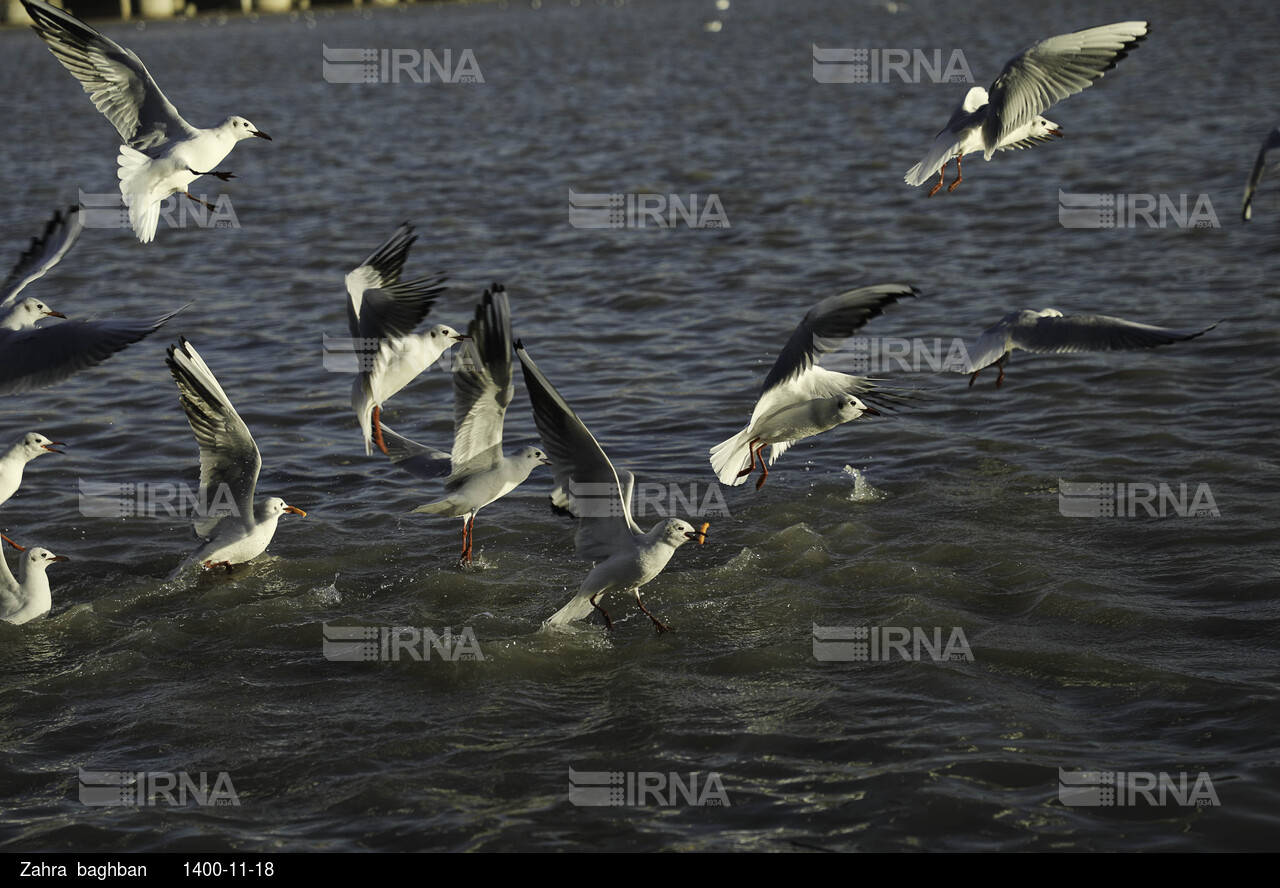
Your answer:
<point x="295" y="510"/>
<point x="700" y="534"/>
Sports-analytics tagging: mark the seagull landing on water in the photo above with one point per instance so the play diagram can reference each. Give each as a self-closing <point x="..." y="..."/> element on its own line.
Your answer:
<point x="799" y="399"/>
<point x="1033" y="81"/>
<point x="162" y="154"/>
<point x="33" y="357"/>
<point x="1049" y="331"/>
<point x="237" y="531"/>
<point x="477" y="472"/>
<point x="382" y="311"/>
<point x="1259" y="167"/>
<point x="27" y="597"/>
<point x="626" y="557"/>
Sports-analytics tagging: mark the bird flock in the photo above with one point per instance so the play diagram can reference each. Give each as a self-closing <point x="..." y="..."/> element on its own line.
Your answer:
<point x="161" y="154"/>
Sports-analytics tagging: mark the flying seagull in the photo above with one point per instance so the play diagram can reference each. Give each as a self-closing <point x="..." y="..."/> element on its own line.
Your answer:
<point x="1049" y="331"/>
<point x="1259" y="167"/>
<point x="1033" y="81"/>
<point x="798" y="398"/>
<point x="162" y="154"/>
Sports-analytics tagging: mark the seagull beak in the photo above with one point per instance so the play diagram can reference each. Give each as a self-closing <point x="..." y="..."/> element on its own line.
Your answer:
<point x="700" y="534"/>
<point x="54" y="314"/>
<point x="59" y="558"/>
<point x="261" y="135"/>
<point x="867" y="408"/>
<point x="49" y="446"/>
<point x="545" y="462"/>
<point x="295" y="510"/>
<point x="1057" y="132"/>
<point x="458" y="337"/>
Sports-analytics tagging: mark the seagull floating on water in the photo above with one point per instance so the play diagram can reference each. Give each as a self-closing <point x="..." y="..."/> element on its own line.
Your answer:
<point x="799" y="399"/>
<point x="1049" y="331"/>
<point x="626" y="557"/>
<point x="33" y="357"/>
<point x="478" y="473"/>
<point x="162" y="154"/>
<point x="382" y="311"/>
<point x="1033" y="81"/>
<point x="27" y="597"/>
<point x="1259" y="167"/>
<point x="235" y="530"/>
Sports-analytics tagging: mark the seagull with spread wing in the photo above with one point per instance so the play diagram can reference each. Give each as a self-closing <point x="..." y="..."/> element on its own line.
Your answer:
<point x="382" y="311"/>
<point x="32" y="357"/>
<point x="1049" y="331"/>
<point x="477" y="472"/>
<point x="162" y="154"/>
<point x="626" y="557"/>
<point x="799" y="399"/>
<point x="1033" y="81"/>
<point x="235" y="529"/>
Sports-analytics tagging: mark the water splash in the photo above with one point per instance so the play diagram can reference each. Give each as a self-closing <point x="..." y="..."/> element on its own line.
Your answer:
<point x="863" y="492"/>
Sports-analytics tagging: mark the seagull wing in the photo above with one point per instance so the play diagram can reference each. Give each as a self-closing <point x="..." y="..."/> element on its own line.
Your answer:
<point x="1088" y="333"/>
<point x="35" y="358"/>
<point x="114" y="77"/>
<point x="379" y="304"/>
<point x="581" y="468"/>
<point x="46" y="251"/>
<point x="482" y="387"/>
<point x="1049" y="71"/>
<point x="416" y="459"/>
<point x="1259" y="167"/>
<point x="229" y="458"/>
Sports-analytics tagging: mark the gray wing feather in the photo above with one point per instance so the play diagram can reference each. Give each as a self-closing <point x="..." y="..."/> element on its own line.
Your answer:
<point x="46" y="251"/>
<point x="1255" y="177"/>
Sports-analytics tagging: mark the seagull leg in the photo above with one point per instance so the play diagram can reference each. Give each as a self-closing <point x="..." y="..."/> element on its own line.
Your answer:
<point x="959" y="176"/>
<point x="210" y="565"/>
<point x="467" y="528"/>
<point x="608" y="623"/>
<point x="657" y="624"/>
<point x="225" y="177"/>
<point x="764" y="470"/>
<point x="974" y="377"/>
<point x="199" y="201"/>
<point x="942" y="177"/>
<point x="12" y="543"/>
<point x="1000" y="378"/>
<point x="751" y="449"/>
<point x="377" y="430"/>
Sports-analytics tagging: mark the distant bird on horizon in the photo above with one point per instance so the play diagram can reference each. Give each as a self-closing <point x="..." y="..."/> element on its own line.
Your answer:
<point x="1033" y="81"/>
<point x="1259" y="167"/>
<point x="162" y="154"/>
<point x="1049" y="331"/>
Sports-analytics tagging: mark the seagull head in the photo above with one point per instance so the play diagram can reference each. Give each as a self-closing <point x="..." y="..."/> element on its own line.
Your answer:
<point x="1042" y="128"/>
<point x="35" y="444"/>
<point x="851" y="408"/>
<point x="243" y="129"/>
<point x="274" y="507"/>
<point x="677" y="533"/>
<point x="534" y="455"/>
<point x="24" y="315"/>
<point x="42" y="558"/>
<point x="447" y="332"/>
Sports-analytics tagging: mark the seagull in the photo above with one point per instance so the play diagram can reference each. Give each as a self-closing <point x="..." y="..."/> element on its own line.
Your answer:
<point x="382" y="311"/>
<point x="27" y="597"/>
<point x="162" y="153"/>
<point x="33" y="357"/>
<point x="1033" y="81"/>
<point x="626" y="557"/>
<point x="1259" y="166"/>
<point x="235" y="531"/>
<point x="1049" y="331"/>
<point x="15" y="459"/>
<point x="477" y="471"/>
<point x="799" y="399"/>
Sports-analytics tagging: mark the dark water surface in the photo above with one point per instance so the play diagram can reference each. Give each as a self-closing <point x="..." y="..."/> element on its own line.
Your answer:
<point x="1143" y="644"/>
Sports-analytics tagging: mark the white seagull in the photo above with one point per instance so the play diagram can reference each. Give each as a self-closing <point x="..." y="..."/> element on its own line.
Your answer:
<point x="33" y="357"/>
<point x="15" y="459"/>
<point x="235" y="530"/>
<point x="382" y="311"/>
<point x="162" y="153"/>
<point x="1259" y="167"/>
<point x="478" y="473"/>
<point x="1033" y="81"/>
<point x="27" y="597"/>
<point x="626" y="557"/>
<point x="1049" y="331"/>
<point x="798" y="398"/>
